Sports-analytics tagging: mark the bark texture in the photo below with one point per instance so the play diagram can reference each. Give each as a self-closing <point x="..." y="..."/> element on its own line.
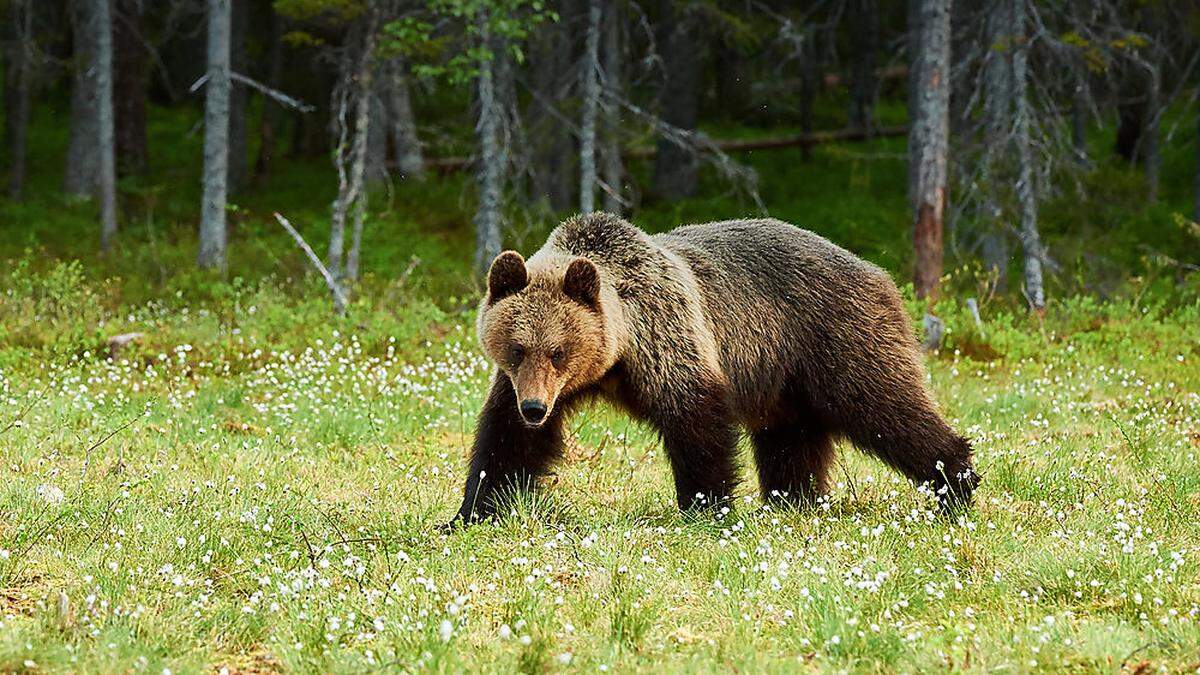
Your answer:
<point x="1026" y="190"/>
<point x="591" y="105"/>
<point x="491" y="162"/>
<point x="216" y="137"/>
<point x="928" y="142"/>
<point x="79" y="178"/>
<point x="410" y="158"/>
<point x="106" y="176"/>
<point x="553" y="149"/>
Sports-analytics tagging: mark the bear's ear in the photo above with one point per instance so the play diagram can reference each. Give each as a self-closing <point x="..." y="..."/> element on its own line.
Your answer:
<point x="506" y="276"/>
<point x="582" y="283"/>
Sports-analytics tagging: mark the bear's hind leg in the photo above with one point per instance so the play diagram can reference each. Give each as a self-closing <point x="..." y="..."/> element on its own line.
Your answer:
<point x="793" y="462"/>
<point x="919" y="444"/>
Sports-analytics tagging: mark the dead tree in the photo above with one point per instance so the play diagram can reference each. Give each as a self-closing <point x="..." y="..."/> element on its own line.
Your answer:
<point x="410" y="159"/>
<point x="929" y="137"/>
<point x="213" y="233"/>
<point x="350" y="156"/>
<point x="107" y="174"/>
<point x="591" y="104"/>
<point x="492" y="157"/>
<point x="79" y="178"/>
<point x="1026" y="190"/>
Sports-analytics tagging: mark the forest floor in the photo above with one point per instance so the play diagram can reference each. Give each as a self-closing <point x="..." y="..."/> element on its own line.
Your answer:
<point x="255" y="485"/>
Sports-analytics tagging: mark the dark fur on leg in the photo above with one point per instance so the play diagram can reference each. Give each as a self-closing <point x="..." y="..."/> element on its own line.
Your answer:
<point x="701" y="442"/>
<point x="507" y="456"/>
<point x="793" y="462"/>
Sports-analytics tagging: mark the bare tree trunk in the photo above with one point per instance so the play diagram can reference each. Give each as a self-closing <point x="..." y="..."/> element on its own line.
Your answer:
<point x="107" y="174"/>
<point x="130" y="87"/>
<point x="997" y="110"/>
<point x="864" y="31"/>
<point x="676" y="168"/>
<point x="216" y="137"/>
<point x="238" y="156"/>
<point x="1026" y="190"/>
<point x="610" y="155"/>
<point x="1150" y="152"/>
<point x="410" y="159"/>
<point x="1196" y="208"/>
<point x="376" y="148"/>
<point x="929" y="140"/>
<point x="79" y="178"/>
<point x="16" y="96"/>
<point x="591" y="102"/>
<point x="489" y="171"/>
<point x="351" y="190"/>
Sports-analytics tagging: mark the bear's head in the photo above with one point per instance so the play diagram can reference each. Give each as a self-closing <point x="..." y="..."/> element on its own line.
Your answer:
<point x="550" y="326"/>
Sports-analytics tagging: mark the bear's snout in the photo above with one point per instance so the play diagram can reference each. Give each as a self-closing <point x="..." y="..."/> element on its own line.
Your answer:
<point x="533" y="411"/>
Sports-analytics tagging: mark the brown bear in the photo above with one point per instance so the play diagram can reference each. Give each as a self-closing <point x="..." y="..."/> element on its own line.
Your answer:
<point x="699" y="331"/>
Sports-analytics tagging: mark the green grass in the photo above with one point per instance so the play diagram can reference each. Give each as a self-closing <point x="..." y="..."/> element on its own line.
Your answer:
<point x="259" y="487"/>
<point x="255" y="485"/>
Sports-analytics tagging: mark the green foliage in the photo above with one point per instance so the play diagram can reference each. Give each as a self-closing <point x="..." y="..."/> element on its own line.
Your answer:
<point x="481" y="23"/>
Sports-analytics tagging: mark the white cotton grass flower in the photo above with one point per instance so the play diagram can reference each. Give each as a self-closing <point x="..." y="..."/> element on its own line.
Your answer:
<point x="446" y="630"/>
<point x="51" y="494"/>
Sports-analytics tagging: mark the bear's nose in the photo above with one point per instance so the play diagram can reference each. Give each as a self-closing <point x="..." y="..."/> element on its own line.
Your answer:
<point x="533" y="410"/>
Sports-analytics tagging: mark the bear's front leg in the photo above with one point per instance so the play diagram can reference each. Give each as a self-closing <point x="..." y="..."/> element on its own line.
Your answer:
<point x="700" y="439"/>
<point x="507" y="455"/>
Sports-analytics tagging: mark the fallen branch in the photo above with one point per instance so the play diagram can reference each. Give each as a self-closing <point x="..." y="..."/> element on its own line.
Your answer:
<point x="339" y="296"/>
<point x="453" y="164"/>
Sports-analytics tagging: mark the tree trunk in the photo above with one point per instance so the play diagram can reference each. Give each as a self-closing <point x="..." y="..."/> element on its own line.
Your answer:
<point x="612" y="169"/>
<point x="376" y="147"/>
<point x="1150" y="152"/>
<point x="864" y="32"/>
<point x="239" y="95"/>
<point x="351" y="189"/>
<point x="929" y="140"/>
<point x="106" y="119"/>
<point x="591" y="103"/>
<point x="1026" y="190"/>
<point x="998" y="121"/>
<point x="16" y="96"/>
<point x="271" y="123"/>
<point x="216" y="137"/>
<point x="1196" y="207"/>
<point x="83" y="152"/>
<point x="130" y="87"/>
<point x="489" y="171"/>
<point x="410" y="159"/>
<point x="676" y="168"/>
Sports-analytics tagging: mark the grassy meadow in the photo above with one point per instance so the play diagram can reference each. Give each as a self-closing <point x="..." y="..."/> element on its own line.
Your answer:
<point x="255" y="486"/>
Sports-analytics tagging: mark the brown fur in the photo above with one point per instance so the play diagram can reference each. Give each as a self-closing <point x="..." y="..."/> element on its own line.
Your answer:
<point x="700" y="331"/>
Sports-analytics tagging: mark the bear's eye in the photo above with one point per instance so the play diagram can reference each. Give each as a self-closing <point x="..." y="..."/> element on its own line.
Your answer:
<point x="557" y="357"/>
<point x="517" y="354"/>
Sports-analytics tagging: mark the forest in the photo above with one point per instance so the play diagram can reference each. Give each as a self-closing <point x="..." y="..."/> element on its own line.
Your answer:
<point x="242" y="247"/>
